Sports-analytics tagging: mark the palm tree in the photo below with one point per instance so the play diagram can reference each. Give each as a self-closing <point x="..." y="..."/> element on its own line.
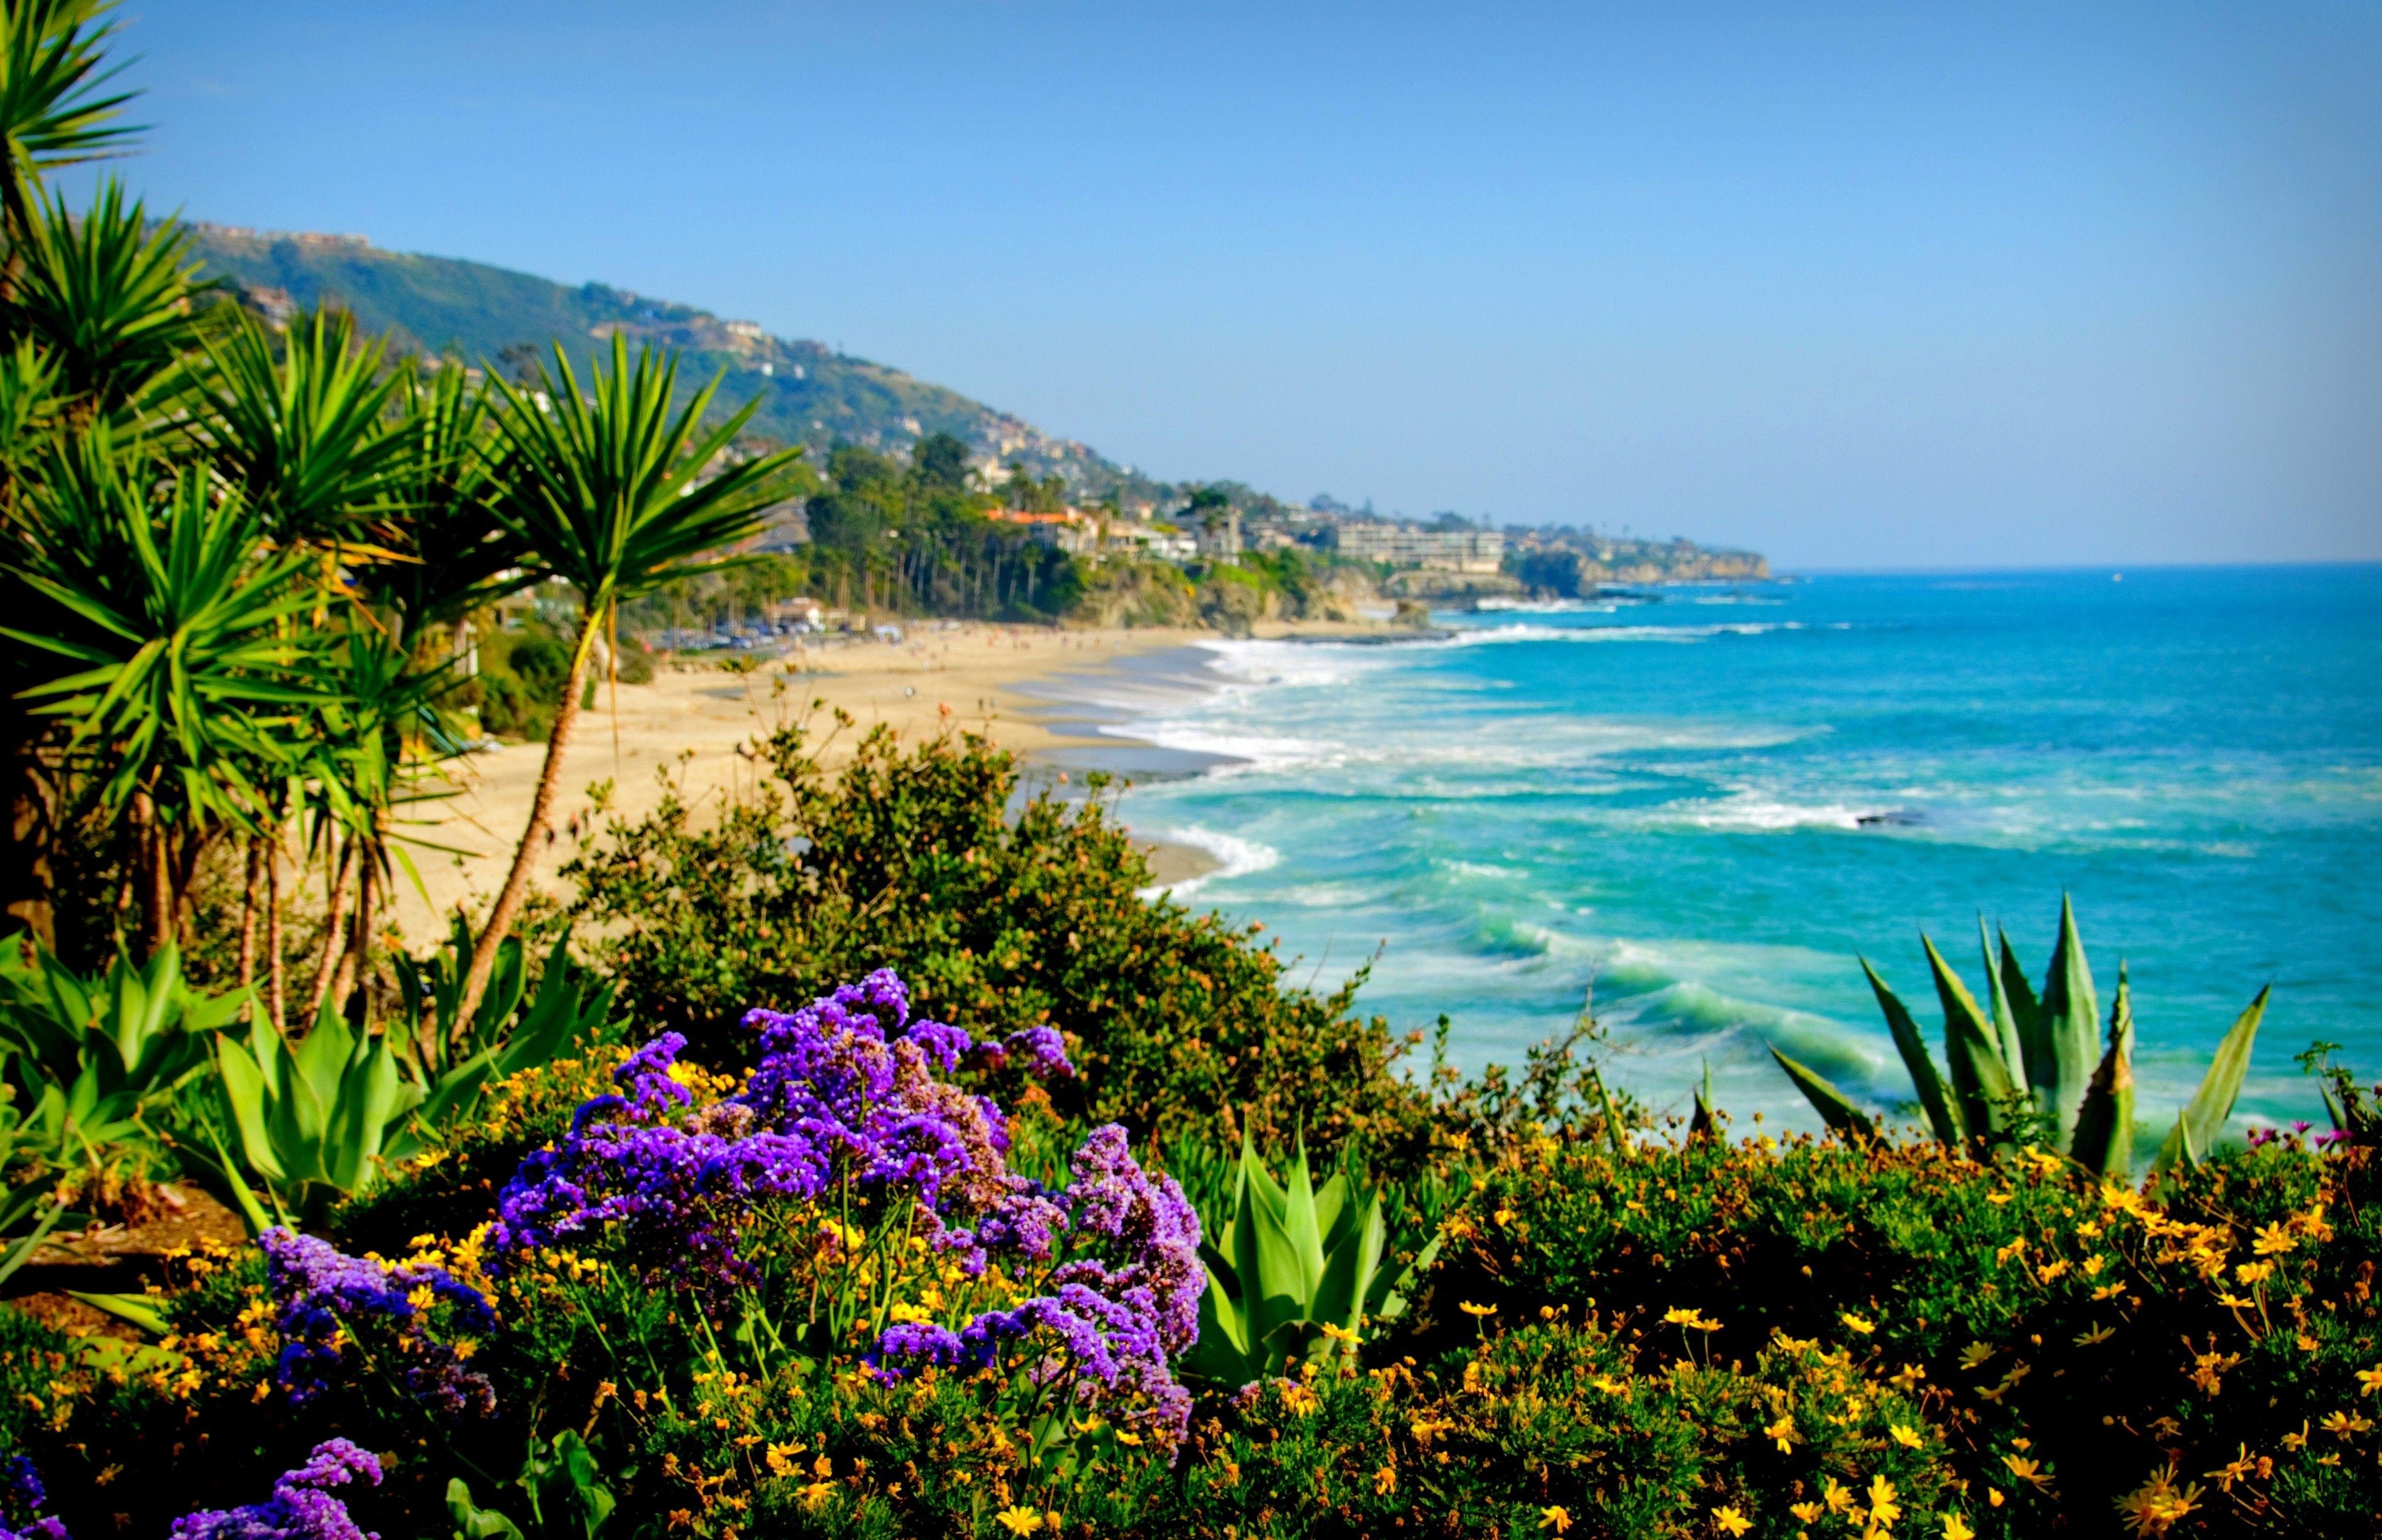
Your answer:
<point x="606" y="490"/>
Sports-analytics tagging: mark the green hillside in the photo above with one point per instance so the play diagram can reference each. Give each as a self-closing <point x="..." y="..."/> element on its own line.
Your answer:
<point x="809" y="392"/>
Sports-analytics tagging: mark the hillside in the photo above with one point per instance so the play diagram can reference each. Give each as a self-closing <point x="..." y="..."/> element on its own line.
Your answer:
<point x="809" y="392"/>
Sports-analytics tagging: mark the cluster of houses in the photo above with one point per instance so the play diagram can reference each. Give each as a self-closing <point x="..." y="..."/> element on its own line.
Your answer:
<point x="1097" y="533"/>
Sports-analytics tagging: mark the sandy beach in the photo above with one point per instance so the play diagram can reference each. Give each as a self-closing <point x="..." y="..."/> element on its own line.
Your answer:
<point x="698" y="717"/>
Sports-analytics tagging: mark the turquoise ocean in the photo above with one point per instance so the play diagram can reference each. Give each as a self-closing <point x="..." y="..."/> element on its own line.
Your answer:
<point x="1707" y="804"/>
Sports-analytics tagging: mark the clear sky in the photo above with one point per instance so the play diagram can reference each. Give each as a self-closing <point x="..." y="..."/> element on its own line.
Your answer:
<point x="1900" y="285"/>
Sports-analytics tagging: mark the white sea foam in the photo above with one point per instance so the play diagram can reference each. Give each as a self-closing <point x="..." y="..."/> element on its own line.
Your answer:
<point x="1523" y="631"/>
<point x="1238" y="856"/>
<point x="1752" y="813"/>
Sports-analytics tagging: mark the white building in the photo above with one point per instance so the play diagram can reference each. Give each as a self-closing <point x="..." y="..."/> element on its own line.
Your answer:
<point x="1413" y="545"/>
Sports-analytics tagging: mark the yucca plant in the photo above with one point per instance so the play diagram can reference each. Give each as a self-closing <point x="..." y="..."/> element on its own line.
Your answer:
<point x="1296" y="1264"/>
<point x="148" y="612"/>
<point x="54" y="106"/>
<point x="2033" y="1068"/>
<point x="615" y="492"/>
<point x="109" y="294"/>
<point x="302" y="427"/>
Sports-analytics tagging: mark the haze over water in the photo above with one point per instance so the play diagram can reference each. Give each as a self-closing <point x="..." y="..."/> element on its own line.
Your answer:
<point x="1711" y="804"/>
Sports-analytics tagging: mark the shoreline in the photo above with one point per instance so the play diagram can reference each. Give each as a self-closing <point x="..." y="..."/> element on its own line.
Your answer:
<point x="1033" y="691"/>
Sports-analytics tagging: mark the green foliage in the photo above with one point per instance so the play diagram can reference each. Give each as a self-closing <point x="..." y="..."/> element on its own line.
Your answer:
<point x="560" y="1488"/>
<point x="2084" y="1100"/>
<point x="90" y="1057"/>
<point x="1291" y="1266"/>
<point x="915" y="860"/>
<point x="53" y="109"/>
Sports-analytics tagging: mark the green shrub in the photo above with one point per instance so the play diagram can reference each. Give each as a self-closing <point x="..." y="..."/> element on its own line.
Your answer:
<point x="915" y="860"/>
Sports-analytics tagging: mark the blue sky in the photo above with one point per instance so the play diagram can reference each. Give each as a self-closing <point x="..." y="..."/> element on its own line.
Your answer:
<point x="1856" y="285"/>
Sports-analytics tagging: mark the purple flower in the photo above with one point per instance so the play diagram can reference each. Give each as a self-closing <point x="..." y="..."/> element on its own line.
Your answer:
<point x="302" y="1507"/>
<point x="844" y="1092"/>
<point x="21" y="1493"/>
<point x="1123" y="1299"/>
<point x="1045" y="1051"/>
<point x="321" y="1291"/>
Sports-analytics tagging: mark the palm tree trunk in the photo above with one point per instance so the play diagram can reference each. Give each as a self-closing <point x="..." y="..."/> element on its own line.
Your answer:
<point x="355" y="967"/>
<point x="157" y="878"/>
<point x="248" y="896"/>
<point x="333" y="932"/>
<point x="275" y="975"/>
<point x="516" y="888"/>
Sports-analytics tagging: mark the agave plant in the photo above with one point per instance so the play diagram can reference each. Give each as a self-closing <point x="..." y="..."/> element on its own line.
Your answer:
<point x="1299" y="1262"/>
<point x="314" y="1120"/>
<point x="2033" y="1063"/>
<point x="91" y="1055"/>
<point x="453" y="1061"/>
<point x="317" y="1120"/>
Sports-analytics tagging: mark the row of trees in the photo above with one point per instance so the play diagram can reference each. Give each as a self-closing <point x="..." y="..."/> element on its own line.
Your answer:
<point x="236" y="563"/>
<point x="915" y="534"/>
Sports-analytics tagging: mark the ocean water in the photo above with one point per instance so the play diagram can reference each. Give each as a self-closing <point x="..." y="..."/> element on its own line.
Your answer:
<point x="1708" y="805"/>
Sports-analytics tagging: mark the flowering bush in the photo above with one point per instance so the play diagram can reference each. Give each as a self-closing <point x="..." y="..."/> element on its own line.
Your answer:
<point x="2211" y="1354"/>
<point x="302" y="1507"/>
<point x="325" y="1298"/>
<point x="844" y="1172"/>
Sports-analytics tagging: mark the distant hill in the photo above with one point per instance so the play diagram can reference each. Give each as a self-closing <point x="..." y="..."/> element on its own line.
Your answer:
<point x="810" y="394"/>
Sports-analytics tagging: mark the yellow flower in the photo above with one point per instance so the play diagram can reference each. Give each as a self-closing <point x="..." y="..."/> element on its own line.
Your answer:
<point x="2233" y="1470"/>
<point x="1385" y="1480"/>
<point x="1477" y="1312"/>
<point x="1883" y="1509"/>
<point x="1957" y="1528"/>
<point x="1340" y="1334"/>
<point x="1610" y="1385"/>
<point x="1904" y="1437"/>
<point x="1728" y="1521"/>
<point x="817" y="1493"/>
<point x="2157" y="1506"/>
<point x="1783" y="1430"/>
<point x="1557" y="1519"/>
<point x="1906" y="1379"/>
<point x="1860" y="1323"/>
<point x="1690" y="1320"/>
<point x="2297" y="1440"/>
<point x="2370" y="1379"/>
<point x="1835" y="1494"/>
<point x="2253" y="1272"/>
<point x="2026" y="1469"/>
<point x="2273" y="1241"/>
<point x="1974" y="1354"/>
<point x="1019" y="1519"/>
<point x="907" y="1314"/>
<point x="1807" y="1513"/>
<point x="2098" y="1334"/>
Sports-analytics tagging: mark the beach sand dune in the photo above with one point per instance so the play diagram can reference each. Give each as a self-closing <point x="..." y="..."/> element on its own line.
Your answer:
<point x="701" y="719"/>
